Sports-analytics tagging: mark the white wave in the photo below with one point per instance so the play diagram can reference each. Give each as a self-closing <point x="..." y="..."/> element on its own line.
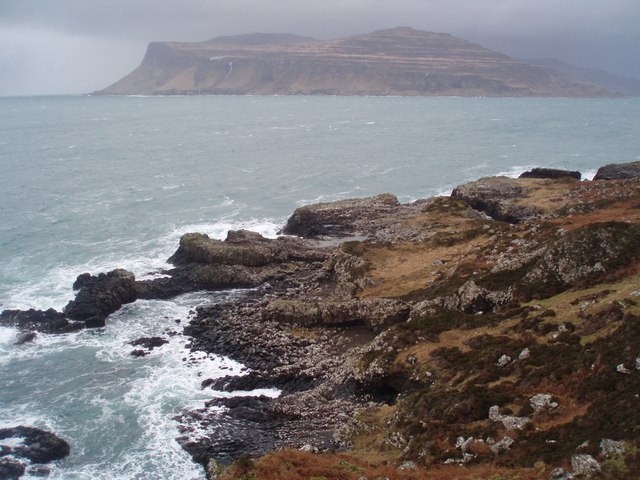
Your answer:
<point x="266" y="227"/>
<point x="330" y="197"/>
<point x="130" y="403"/>
<point x="589" y="174"/>
<point x="53" y="289"/>
<point x="515" y="171"/>
<point x="8" y="335"/>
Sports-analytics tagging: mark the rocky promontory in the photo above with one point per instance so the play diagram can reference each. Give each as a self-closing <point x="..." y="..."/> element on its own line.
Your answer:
<point x="398" y="61"/>
<point x="493" y="333"/>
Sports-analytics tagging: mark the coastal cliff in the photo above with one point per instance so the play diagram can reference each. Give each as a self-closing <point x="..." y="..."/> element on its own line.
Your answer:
<point x="399" y="61"/>
<point x="493" y="333"/>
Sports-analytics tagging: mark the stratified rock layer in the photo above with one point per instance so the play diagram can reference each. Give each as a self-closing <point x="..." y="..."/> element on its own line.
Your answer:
<point x="399" y="61"/>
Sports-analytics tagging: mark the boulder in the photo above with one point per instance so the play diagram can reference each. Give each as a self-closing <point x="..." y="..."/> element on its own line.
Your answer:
<point x="340" y="219"/>
<point x="508" y="421"/>
<point x="11" y="469"/>
<point x="585" y="466"/>
<point x="101" y="295"/>
<point x="497" y="197"/>
<point x="552" y="173"/>
<point x="149" y="342"/>
<point x="542" y="401"/>
<point x="475" y="299"/>
<point x="618" y="171"/>
<point x="36" y="446"/>
<point x="612" y="448"/>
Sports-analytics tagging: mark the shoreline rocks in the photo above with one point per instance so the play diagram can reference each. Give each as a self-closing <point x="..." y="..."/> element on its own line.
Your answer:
<point x="22" y="446"/>
<point x="406" y="320"/>
<point x="618" y="171"/>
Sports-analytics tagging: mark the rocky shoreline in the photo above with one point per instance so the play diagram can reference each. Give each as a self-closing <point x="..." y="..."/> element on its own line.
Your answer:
<point x="493" y="329"/>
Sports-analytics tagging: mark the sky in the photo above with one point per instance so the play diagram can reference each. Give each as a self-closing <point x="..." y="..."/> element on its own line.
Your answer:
<point x="79" y="46"/>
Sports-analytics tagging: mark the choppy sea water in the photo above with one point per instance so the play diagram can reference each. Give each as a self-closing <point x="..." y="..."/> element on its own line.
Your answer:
<point x="95" y="183"/>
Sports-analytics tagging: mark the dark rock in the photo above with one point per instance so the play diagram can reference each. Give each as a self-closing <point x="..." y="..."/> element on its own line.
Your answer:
<point x="247" y="428"/>
<point x="11" y="469"/>
<point x="497" y="197"/>
<point x="149" y="342"/>
<point x="25" y="337"/>
<point x="617" y="171"/>
<point x="38" y="471"/>
<point x="101" y="295"/>
<point x="38" y="446"/>
<point x="340" y="219"/>
<point x="49" y="321"/>
<point x="138" y="353"/>
<point x="550" y="173"/>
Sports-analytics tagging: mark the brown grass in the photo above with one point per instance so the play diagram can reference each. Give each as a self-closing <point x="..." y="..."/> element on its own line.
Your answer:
<point x="296" y="465"/>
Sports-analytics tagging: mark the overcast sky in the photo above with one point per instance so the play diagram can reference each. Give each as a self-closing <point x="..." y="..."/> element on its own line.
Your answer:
<point x="78" y="46"/>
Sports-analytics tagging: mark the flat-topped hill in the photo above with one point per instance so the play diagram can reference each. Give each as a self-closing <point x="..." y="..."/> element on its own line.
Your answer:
<point x="399" y="61"/>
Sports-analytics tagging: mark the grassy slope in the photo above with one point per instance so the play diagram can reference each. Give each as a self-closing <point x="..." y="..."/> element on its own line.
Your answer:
<point x="447" y="362"/>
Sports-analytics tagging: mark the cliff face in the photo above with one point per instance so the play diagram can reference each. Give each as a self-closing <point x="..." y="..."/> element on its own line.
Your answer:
<point x="399" y="61"/>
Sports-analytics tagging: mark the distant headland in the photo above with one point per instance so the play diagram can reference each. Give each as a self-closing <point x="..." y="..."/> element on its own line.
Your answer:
<point x="398" y="61"/>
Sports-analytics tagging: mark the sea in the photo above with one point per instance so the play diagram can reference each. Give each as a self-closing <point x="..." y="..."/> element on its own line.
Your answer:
<point x="89" y="184"/>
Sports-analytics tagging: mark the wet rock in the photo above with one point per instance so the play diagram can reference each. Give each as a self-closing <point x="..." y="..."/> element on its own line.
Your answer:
<point x="149" y="342"/>
<point x="48" y="321"/>
<point x="25" y="337"/>
<point x="552" y="173"/>
<point x="38" y="471"/>
<point x="11" y="469"/>
<point x="585" y="466"/>
<point x="37" y="446"/>
<point x="138" y="353"/>
<point x="340" y="219"/>
<point x="616" y="171"/>
<point x="497" y="197"/>
<point x="101" y="295"/>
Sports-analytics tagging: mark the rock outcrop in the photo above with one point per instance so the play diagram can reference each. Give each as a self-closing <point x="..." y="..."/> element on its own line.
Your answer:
<point x="345" y="218"/>
<point x="497" y="197"/>
<point x="99" y="296"/>
<point x="399" y="61"/>
<point x="617" y="171"/>
<point x="420" y="333"/>
<point x="550" y="173"/>
<point x="21" y="446"/>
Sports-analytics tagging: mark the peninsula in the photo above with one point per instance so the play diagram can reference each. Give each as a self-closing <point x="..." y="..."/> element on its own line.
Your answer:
<point x="399" y="61"/>
<point x="492" y="333"/>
